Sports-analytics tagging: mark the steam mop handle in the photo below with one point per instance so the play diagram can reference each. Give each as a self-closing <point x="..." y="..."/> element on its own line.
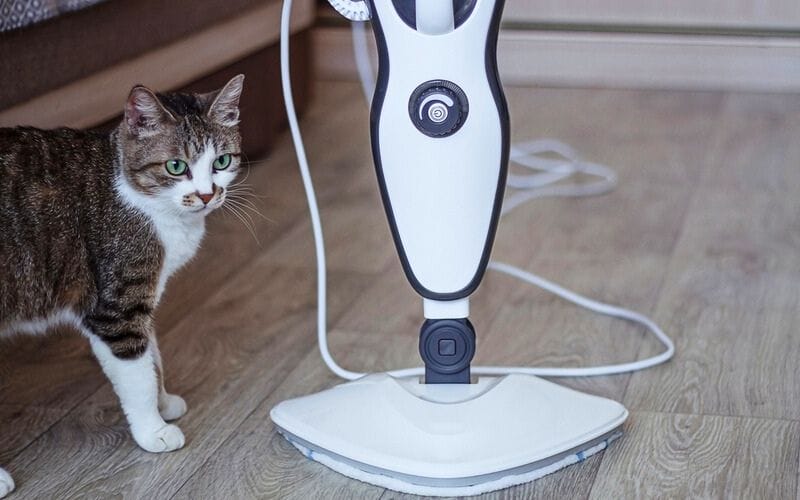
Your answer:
<point x="440" y="138"/>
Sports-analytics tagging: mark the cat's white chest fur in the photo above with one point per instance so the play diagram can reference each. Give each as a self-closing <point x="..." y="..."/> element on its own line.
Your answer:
<point x="181" y="239"/>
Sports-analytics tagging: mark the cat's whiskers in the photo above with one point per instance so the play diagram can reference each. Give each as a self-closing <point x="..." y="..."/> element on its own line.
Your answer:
<point x="240" y="196"/>
<point x="239" y="185"/>
<point x="244" y="212"/>
<point x="238" y="182"/>
<point x="245" y="204"/>
<point x="245" y="191"/>
<point x="244" y="218"/>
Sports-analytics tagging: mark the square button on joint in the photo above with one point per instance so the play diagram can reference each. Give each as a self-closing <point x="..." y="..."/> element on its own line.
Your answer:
<point x="447" y="347"/>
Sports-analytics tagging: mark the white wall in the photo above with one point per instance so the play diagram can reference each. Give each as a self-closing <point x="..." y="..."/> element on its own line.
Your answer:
<point x="751" y="45"/>
<point x="757" y="14"/>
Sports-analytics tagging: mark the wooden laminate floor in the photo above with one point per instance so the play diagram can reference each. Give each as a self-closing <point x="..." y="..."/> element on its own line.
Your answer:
<point x="703" y="234"/>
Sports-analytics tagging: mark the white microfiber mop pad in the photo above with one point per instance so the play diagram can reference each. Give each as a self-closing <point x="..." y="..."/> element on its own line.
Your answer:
<point x="397" y="484"/>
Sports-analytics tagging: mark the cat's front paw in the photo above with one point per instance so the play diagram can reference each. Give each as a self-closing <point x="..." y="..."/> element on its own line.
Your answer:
<point x="171" y="406"/>
<point x="166" y="438"/>
<point x="6" y="483"/>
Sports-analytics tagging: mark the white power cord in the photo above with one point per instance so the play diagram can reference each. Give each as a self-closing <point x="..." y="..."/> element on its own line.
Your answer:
<point x="552" y="170"/>
<point x="365" y="74"/>
<point x="528" y="187"/>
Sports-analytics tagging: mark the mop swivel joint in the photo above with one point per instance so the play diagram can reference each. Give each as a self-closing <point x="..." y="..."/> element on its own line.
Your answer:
<point x="447" y="347"/>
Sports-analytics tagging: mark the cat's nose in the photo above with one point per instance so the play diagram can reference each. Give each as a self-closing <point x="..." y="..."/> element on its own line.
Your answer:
<point x="205" y="198"/>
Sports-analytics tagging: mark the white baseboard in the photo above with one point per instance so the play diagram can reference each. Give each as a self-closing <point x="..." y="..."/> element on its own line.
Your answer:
<point x="623" y="60"/>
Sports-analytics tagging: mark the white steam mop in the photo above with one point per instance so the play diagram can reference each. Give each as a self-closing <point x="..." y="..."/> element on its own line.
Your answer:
<point x="440" y="141"/>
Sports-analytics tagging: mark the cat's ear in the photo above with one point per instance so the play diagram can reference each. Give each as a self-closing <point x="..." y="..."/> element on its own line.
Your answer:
<point x="224" y="108"/>
<point x="144" y="113"/>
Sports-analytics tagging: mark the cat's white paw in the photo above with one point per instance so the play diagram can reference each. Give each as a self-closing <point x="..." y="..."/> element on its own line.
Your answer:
<point x="166" y="438"/>
<point x="6" y="483"/>
<point x="171" y="407"/>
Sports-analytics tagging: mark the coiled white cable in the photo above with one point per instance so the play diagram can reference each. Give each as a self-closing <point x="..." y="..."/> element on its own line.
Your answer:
<point x="528" y="187"/>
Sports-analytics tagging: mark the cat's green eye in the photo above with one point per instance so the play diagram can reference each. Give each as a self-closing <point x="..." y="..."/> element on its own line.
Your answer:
<point x="176" y="167"/>
<point x="222" y="162"/>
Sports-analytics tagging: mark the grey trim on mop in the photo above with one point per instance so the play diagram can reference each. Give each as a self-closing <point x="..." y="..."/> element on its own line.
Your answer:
<point x="448" y="487"/>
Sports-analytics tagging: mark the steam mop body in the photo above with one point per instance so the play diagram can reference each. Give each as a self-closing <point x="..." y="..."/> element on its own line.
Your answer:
<point x="440" y="141"/>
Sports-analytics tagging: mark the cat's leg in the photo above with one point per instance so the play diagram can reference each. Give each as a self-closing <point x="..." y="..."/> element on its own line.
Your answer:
<point x="136" y="384"/>
<point x="171" y="406"/>
<point x="6" y="483"/>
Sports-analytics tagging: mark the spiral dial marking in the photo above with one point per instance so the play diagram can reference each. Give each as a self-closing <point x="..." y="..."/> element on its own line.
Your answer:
<point x="438" y="108"/>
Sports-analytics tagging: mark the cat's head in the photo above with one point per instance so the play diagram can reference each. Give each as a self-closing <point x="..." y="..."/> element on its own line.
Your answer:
<point x="180" y="152"/>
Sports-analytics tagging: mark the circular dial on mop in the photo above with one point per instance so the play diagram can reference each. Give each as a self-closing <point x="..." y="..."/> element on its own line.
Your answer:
<point x="354" y="10"/>
<point x="438" y="108"/>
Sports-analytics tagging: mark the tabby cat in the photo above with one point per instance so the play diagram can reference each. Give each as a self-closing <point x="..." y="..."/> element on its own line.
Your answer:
<point x="93" y="225"/>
